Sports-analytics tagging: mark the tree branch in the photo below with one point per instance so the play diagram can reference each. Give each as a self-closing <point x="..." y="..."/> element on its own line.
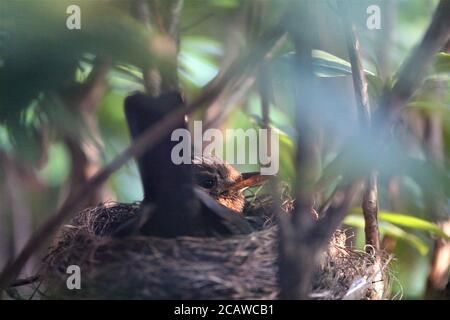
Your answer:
<point x="84" y="151"/>
<point x="298" y="258"/>
<point x="370" y="198"/>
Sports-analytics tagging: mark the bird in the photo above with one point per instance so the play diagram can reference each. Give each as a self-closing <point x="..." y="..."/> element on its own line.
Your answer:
<point x="223" y="182"/>
<point x="220" y="189"/>
<point x="201" y="198"/>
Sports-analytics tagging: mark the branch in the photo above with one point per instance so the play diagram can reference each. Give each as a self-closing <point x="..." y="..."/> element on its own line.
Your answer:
<point x="166" y="19"/>
<point x="152" y="77"/>
<point x="370" y="212"/>
<point x="438" y="276"/>
<point x="174" y="19"/>
<point x="140" y="9"/>
<point x="21" y="214"/>
<point x="84" y="152"/>
<point x="95" y="86"/>
<point x="370" y="201"/>
<point x="305" y="88"/>
<point x="220" y="110"/>
<point x="297" y="258"/>
<point x="225" y="104"/>
<point x="25" y="281"/>
<point x="300" y="250"/>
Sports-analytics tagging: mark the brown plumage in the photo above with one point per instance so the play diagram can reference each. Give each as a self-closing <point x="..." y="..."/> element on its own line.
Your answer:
<point x="223" y="182"/>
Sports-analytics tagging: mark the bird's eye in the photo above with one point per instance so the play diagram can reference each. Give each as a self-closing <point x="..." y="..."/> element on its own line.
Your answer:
<point x="208" y="183"/>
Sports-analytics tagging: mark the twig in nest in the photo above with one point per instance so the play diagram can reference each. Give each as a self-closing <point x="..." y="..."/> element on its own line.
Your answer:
<point x="25" y="281"/>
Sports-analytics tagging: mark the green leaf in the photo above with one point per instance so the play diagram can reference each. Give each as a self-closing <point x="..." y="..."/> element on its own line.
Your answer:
<point x="408" y="221"/>
<point x="287" y="152"/>
<point x="356" y="220"/>
<point x="328" y="65"/>
<point x="412" y="222"/>
<point x="228" y="4"/>
<point x="325" y="65"/>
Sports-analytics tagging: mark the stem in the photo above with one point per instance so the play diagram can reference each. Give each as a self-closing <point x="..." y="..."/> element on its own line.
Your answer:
<point x="370" y="195"/>
<point x="297" y="256"/>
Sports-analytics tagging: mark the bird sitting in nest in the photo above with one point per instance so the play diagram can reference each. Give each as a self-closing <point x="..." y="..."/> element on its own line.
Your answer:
<point x="198" y="199"/>
<point x="214" y="179"/>
<point x="223" y="182"/>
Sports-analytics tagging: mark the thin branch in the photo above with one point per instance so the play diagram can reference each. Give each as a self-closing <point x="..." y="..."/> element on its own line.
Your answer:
<point x="142" y="144"/>
<point x="370" y="198"/>
<point x="225" y="104"/>
<point x="307" y="156"/>
<point x="370" y="212"/>
<point x="155" y="11"/>
<point x="166" y="20"/>
<point x="21" y="214"/>
<point x="438" y="276"/>
<point x="265" y="92"/>
<point x="359" y="78"/>
<point x="141" y="11"/>
<point x="219" y="111"/>
<point x="152" y="76"/>
<point x="329" y="201"/>
<point x="174" y="18"/>
<point x="84" y="152"/>
<point x="297" y="258"/>
<point x="25" y="281"/>
<point x="95" y="85"/>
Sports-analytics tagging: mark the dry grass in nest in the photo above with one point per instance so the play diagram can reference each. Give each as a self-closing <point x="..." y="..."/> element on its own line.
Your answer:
<point x="239" y="267"/>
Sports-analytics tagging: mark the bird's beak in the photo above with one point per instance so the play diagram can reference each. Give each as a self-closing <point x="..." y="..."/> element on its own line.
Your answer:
<point x="249" y="179"/>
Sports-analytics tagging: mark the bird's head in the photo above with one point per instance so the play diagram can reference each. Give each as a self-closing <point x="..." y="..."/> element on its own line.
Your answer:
<point x="223" y="182"/>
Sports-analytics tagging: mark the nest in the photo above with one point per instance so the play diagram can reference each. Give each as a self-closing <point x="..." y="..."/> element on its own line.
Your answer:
<point x="238" y="267"/>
